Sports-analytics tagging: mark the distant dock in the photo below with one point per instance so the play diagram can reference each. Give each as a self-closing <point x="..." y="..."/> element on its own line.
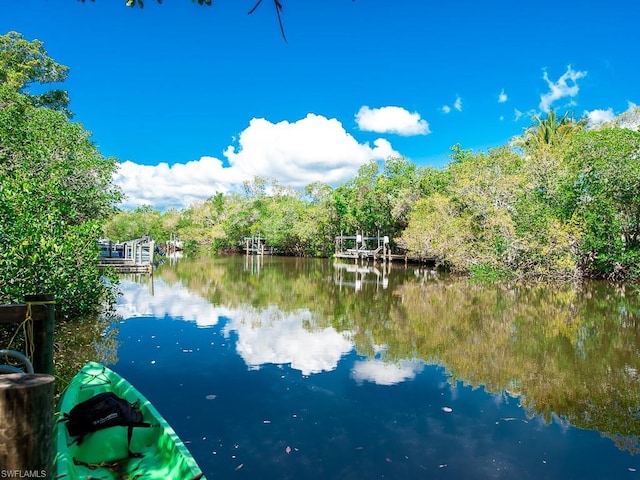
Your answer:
<point x="132" y="256"/>
<point x="360" y="247"/>
<point x="257" y="246"/>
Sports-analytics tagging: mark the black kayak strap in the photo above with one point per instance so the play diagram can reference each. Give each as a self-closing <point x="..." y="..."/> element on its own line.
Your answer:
<point x="130" y="434"/>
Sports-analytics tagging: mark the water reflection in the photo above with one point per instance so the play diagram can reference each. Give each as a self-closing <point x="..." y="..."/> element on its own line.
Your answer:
<point x="385" y="373"/>
<point x="354" y="275"/>
<point x="272" y="336"/>
<point x="144" y="296"/>
<point x="568" y="353"/>
<point x="263" y="336"/>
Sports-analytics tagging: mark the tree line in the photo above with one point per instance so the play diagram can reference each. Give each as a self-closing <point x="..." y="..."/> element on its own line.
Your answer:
<point x="559" y="201"/>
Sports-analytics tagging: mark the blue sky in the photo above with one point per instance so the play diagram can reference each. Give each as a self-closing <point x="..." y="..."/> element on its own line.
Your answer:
<point x="194" y="100"/>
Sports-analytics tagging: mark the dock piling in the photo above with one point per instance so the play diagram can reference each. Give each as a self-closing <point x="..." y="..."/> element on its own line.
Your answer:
<point x="26" y="400"/>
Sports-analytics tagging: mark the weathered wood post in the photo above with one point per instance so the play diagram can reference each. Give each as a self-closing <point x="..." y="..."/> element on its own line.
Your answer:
<point x="26" y="422"/>
<point x="386" y="249"/>
<point x="43" y="332"/>
<point x="152" y="247"/>
<point x="26" y="400"/>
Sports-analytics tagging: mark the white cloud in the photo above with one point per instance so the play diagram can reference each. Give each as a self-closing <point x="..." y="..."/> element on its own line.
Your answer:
<point x="599" y="116"/>
<point x="382" y="373"/>
<point x="629" y="119"/>
<point x="314" y="148"/>
<point x="517" y="114"/>
<point x="271" y="336"/>
<point x="391" y="120"/>
<point x="502" y="98"/>
<point x="566" y="86"/>
<point x="458" y="104"/>
<point x="178" y="185"/>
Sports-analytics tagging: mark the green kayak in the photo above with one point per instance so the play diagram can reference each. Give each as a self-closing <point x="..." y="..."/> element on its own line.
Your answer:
<point x="108" y="452"/>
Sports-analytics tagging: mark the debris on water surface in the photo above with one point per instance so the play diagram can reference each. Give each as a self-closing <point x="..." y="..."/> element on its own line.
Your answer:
<point x="266" y="421"/>
<point x="153" y="362"/>
<point x="239" y="466"/>
<point x="288" y="449"/>
<point x="442" y="465"/>
<point x="512" y="419"/>
<point x="211" y="397"/>
<point x="447" y="409"/>
<point x="631" y="469"/>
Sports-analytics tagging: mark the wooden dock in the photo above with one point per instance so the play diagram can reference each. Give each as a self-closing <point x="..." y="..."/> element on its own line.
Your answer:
<point x="257" y="246"/>
<point x="132" y="256"/>
<point x="124" y="265"/>
<point x="361" y="248"/>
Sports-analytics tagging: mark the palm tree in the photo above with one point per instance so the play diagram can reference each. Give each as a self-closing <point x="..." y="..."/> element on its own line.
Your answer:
<point x="548" y="133"/>
<point x="541" y="143"/>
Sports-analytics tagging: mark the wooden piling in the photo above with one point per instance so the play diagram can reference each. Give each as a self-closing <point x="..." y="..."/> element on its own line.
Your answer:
<point x="43" y="332"/>
<point x="26" y="422"/>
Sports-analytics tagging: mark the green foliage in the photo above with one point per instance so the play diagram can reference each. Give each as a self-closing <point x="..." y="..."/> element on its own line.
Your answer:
<point x="487" y="274"/>
<point x="23" y="63"/>
<point x="436" y="229"/>
<point x="491" y="219"/>
<point x="599" y="191"/>
<point x="129" y="225"/>
<point x="55" y="190"/>
<point x="569" y="207"/>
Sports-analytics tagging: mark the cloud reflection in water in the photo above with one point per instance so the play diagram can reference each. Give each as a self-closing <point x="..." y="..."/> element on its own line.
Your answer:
<point x="272" y="336"/>
<point x="264" y="335"/>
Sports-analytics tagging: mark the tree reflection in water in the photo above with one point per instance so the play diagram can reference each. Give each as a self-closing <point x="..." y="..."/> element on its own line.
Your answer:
<point x="568" y="351"/>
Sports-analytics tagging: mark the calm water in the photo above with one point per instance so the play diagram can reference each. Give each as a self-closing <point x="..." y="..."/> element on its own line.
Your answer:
<point x="298" y="368"/>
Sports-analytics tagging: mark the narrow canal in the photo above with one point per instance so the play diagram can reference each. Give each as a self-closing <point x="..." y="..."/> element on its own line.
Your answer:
<point x="298" y="368"/>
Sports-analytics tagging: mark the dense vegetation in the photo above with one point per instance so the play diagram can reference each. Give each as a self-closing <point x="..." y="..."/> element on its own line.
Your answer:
<point x="55" y="187"/>
<point x="560" y="201"/>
